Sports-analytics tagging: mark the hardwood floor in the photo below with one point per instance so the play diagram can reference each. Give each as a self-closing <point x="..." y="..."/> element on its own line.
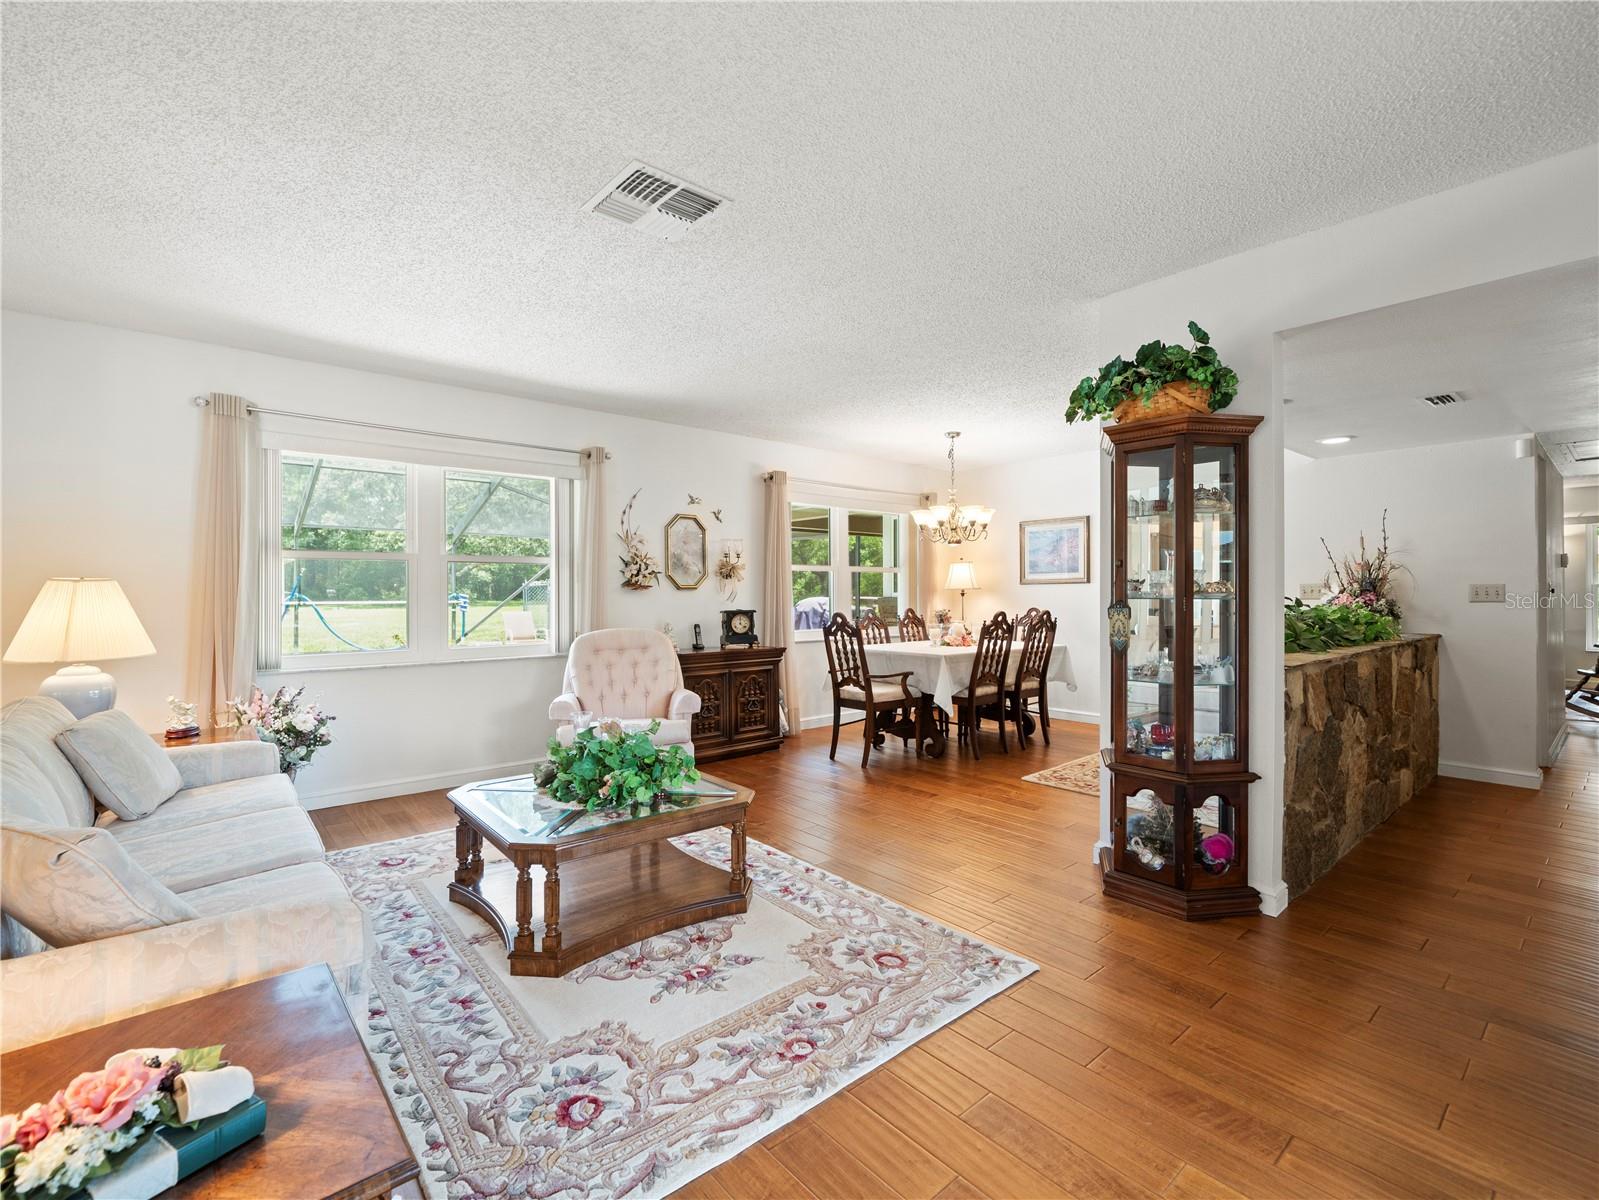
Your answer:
<point x="1421" y="1023"/>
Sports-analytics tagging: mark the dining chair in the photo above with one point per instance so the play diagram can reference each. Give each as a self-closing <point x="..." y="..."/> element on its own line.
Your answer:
<point x="874" y="629"/>
<point x="892" y="706"/>
<point x="1031" y="682"/>
<point x="911" y="627"/>
<point x="986" y="687"/>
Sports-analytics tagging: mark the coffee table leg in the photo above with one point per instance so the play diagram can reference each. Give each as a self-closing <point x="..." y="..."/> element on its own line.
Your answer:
<point x="523" y="943"/>
<point x="552" y="910"/>
<point x="738" y="877"/>
<point x="468" y="854"/>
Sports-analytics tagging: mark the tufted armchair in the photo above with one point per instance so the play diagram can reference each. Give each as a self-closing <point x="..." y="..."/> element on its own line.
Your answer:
<point x="629" y="675"/>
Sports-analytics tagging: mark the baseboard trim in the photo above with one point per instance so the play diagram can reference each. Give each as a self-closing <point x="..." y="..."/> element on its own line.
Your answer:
<point x="1273" y="899"/>
<point x="1556" y="746"/>
<point x="1520" y="779"/>
<point x="360" y="793"/>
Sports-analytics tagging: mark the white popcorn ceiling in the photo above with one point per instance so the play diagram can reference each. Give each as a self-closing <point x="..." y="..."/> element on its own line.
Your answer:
<point x="925" y="200"/>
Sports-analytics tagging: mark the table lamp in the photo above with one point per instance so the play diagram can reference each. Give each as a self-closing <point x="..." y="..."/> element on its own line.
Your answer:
<point x="962" y="578"/>
<point x="74" y="620"/>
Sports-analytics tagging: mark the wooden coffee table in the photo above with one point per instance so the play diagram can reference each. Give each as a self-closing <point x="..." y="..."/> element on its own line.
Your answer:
<point x="329" y="1129"/>
<point x="608" y="878"/>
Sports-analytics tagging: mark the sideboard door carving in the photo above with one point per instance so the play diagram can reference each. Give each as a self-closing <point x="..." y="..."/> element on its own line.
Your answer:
<point x="738" y="700"/>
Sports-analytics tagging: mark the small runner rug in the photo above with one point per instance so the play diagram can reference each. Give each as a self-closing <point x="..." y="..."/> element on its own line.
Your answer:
<point x="632" y="1074"/>
<point x="1079" y="775"/>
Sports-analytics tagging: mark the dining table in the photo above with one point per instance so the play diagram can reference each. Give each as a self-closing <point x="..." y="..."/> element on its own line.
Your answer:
<point x="939" y="671"/>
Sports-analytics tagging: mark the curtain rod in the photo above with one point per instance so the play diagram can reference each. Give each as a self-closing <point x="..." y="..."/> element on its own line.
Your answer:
<point x="255" y="409"/>
<point x="850" y="487"/>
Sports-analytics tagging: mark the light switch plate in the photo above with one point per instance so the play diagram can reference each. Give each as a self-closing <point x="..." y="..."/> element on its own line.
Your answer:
<point x="1312" y="592"/>
<point x="1487" y="593"/>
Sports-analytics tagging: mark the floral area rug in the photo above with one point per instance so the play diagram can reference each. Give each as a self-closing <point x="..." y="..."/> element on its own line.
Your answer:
<point x="636" y="1072"/>
<point x="1079" y="775"/>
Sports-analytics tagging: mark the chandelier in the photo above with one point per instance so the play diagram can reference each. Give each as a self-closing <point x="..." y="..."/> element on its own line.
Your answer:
<point x="952" y="524"/>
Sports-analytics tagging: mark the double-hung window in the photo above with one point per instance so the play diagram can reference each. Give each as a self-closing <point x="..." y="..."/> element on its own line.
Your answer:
<point x="375" y="560"/>
<point x="847" y="560"/>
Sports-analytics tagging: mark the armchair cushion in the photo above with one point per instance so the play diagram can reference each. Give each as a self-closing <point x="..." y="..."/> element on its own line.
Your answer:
<point x="621" y="673"/>
<point x="126" y="771"/>
<point x="71" y="886"/>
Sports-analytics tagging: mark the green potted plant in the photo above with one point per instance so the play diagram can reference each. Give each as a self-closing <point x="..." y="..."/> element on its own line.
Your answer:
<point x="607" y="767"/>
<point x="1160" y="381"/>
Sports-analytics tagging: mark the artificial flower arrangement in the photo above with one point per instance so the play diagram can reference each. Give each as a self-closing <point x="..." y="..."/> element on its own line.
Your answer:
<point x="730" y="572"/>
<point x="92" y="1126"/>
<point x="1366" y="580"/>
<point x="640" y="570"/>
<point x="957" y="635"/>
<point x="941" y="616"/>
<point x="608" y="767"/>
<point x="298" y="729"/>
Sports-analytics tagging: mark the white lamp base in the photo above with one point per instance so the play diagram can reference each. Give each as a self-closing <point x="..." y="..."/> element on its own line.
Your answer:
<point x="82" y="688"/>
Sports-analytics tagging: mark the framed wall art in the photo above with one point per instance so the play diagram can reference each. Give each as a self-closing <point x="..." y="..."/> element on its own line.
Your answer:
<point x="1055" y="550"/>
<point x="687" y="552"/>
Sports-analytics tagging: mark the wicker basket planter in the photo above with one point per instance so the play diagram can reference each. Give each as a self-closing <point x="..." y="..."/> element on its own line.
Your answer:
<point x="1172" y="400"/>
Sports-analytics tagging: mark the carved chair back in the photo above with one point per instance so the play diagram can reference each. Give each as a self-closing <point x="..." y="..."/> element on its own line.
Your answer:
<point x="1025" y="622"/>
<point x="874" y="630"/>
<point x="1037" y="645"/>
<point x="846" y="654"/>
<point x="911" y="627"/>
<point x="993" y="653"/>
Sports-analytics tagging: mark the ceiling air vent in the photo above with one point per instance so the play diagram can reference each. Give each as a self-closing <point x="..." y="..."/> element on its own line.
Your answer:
<point x="654" y="202"/>
<point x="1441" y="400"/>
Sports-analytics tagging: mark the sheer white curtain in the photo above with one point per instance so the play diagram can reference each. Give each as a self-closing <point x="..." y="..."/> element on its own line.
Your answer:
<point x="777" y="598"/>
<point x="591" y="554"/>
<point x="222" y="619"/>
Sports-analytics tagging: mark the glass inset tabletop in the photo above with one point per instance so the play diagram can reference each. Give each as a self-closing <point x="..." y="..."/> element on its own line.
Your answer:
<point x="526" y="812"/>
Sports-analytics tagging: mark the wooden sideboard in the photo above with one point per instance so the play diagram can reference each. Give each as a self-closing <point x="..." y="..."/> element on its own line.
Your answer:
<point x="738" y="700"/>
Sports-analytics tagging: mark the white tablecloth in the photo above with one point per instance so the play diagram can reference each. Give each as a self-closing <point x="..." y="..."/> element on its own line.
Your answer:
<point x="942" y="671"/>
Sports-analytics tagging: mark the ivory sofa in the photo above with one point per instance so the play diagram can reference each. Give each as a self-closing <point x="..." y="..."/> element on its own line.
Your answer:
<point x="628" y="675"/>
<point x="232" y="847"/>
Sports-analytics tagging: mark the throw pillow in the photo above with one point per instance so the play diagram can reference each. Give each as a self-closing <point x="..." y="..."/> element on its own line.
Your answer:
<point x="79" y="885"/>
<point x="124" y="768"/>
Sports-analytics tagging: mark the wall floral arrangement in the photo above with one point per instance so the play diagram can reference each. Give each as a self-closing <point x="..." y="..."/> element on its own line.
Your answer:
<point x="640" y="569"/>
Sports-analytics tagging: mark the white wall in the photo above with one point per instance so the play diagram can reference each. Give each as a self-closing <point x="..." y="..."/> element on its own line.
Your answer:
<point x="1062" y="485"/>
<point x="100" y="463"/>
<point x="1537" y="216"/>
<point x="1457" y="514"/>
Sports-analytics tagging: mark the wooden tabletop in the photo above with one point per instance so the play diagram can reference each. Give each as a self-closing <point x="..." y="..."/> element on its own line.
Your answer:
<point x="208" y="735"/>
<point x="329" y="1130"/>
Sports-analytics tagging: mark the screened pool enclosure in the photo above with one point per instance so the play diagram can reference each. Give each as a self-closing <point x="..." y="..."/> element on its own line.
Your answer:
<point x="351" y="558"/>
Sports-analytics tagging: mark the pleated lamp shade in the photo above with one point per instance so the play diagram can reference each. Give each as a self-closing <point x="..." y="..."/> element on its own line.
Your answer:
<point x="79" y="620"/>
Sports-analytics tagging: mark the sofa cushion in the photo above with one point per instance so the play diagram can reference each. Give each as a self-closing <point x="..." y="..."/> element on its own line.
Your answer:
<point x="35" y="777"/>
<point x="197" y="806"/>
<point x="189" y="857"/>
<point x="671" y="733"/>
<point x="124" y="768"/>
<point x="303" y="883"/>
<point x="79" y="885"/>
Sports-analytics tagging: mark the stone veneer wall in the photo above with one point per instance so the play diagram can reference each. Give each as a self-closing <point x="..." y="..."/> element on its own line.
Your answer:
<point x="1361" y="740"/>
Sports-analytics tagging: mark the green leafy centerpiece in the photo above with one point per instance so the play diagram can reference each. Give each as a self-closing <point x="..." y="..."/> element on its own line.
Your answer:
<point x="608" y="767"/>
<point x="1160" y="381"/>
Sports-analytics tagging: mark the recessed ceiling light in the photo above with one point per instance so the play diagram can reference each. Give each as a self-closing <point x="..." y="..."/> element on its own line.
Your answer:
<point x="1336" y="441"/>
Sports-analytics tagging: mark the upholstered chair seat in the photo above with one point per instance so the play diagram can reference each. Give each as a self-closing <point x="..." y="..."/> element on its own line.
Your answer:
<point x="627" y="675"/>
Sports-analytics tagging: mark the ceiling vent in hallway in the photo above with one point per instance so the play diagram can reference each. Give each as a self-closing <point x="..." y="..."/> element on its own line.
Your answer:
<point x="1441" y="400"/>
<point x="654" y="202"/>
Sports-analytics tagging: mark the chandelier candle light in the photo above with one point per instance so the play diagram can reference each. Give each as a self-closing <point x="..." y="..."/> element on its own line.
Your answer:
<point x="952" y="524"/>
